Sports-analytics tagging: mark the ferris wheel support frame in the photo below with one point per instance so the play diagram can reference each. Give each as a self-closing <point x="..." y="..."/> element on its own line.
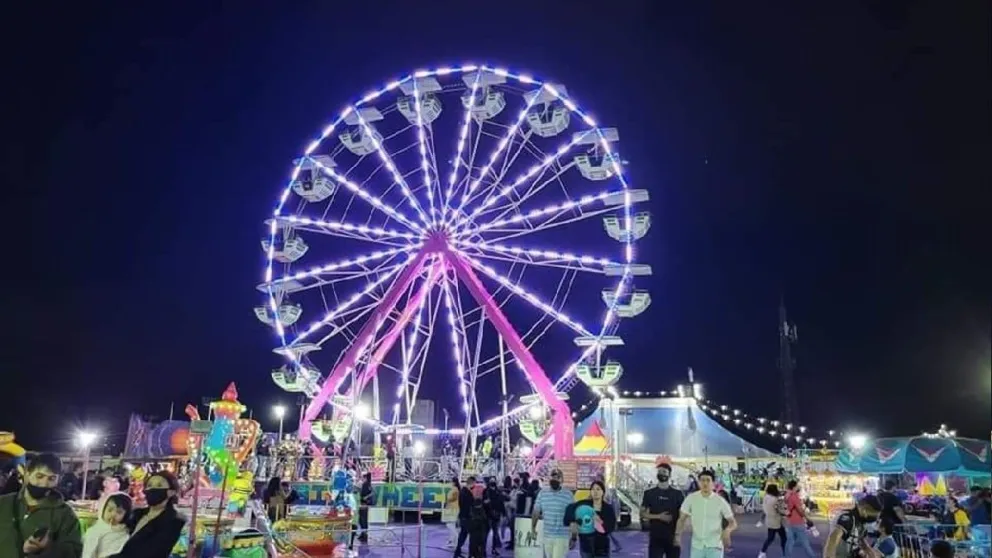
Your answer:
<point x="337" y="375"/>
<point x="564" y="433"/>
<point x="391" y="336"/>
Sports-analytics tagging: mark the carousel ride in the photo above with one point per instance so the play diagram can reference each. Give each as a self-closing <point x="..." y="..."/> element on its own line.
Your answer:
<point x="403" y="219"/>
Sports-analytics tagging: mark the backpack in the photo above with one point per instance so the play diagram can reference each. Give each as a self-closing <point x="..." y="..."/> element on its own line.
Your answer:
<point x="780" y="507"/>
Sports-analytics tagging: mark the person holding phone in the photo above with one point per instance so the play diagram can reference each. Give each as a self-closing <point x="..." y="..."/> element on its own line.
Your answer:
<point x="36" y="521"/>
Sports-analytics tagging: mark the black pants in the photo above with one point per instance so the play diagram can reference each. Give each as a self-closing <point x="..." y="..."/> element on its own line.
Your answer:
<point x="494" y="529"/>
<point x="663" y="548"/>
<point x="477" y="541"/>
<point x="462" y="535"/>
<point x="771" y="536"/>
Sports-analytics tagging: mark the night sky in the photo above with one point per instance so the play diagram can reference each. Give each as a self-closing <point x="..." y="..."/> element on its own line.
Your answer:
<point x="838" y="159"/>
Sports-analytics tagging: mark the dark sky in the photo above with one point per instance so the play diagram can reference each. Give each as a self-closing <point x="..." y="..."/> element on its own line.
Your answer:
<point x="839" y="158"/>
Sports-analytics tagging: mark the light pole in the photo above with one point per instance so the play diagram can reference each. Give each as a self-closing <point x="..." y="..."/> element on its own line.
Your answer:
<point x="280" y="412"/>
<point x="85" y="440"/>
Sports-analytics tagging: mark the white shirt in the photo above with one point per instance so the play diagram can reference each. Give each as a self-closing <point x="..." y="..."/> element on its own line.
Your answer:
<point x="706" y="515"/>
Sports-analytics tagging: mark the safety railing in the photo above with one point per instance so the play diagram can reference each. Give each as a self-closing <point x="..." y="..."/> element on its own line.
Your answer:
<point x="915" y="539"/>
<point x="419" y="469"/>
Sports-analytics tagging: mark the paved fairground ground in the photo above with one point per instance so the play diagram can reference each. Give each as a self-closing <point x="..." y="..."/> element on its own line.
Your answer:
<point x="402" y="541"/>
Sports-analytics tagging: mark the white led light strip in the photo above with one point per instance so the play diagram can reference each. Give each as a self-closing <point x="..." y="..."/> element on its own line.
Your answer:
<point x="350" y="301"/>
<point x="462" y="140"/>
<point x="343" y="264"/>
<point x="535" y="253"/>
<point x="456" y="346"/>
<point x="525" y="294"/>
<point x="398" y="216"/>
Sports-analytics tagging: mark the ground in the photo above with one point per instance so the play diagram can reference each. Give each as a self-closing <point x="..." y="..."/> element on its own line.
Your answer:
<point x="746" y="542"/>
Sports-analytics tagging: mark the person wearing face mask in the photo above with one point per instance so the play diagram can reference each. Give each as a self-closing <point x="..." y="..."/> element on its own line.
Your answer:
<point x="660" y="508"/>
<point x="36" y="521"/>
<point x="155" y="529"/>
<point x="552" y="506"/>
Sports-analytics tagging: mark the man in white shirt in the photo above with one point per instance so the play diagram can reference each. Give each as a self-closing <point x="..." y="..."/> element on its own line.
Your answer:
<point x="711" y="518"/>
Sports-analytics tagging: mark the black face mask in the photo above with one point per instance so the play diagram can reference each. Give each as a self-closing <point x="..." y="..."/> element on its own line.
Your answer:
<point x="555" y="484"/>
<point x="37" y="492"/>
<point x="155" y="496"/>
<point x="663" y="477"/>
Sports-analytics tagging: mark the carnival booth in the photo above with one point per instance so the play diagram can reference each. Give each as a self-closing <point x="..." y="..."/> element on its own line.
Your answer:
<point x="957" y="461"/>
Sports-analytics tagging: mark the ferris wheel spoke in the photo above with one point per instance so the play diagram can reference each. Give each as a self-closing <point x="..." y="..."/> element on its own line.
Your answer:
<point x="524" y="294"/>
<point x="316" y="275"/>
<point x="535" y="256"/>
<point x="549" y="160"/>
<point x="391" y="166"/>
<point x="414" y="306"/>
<point x="364" y="194"/>
<point x="456" y="162"/>
<point x="512" y="206"/>
<point x="402" y="282"/>
<point x="457" y="336"/>
<point x="535" y="219"/>
<point x="425" y="165"/>
<point x="517" y="147"/>
<point x="403" y="271"/>
<point x="494" y="156"/>
<point x="351" y="231"/>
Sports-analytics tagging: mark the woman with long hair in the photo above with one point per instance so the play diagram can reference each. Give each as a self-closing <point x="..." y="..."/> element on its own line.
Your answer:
<point x="155" y="529"/>
<point x="772" y="508"/>
<point x="449" y="516"/>
<point x="593" y="520"/>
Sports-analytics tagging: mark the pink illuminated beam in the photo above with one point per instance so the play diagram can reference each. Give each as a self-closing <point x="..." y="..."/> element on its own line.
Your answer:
<point x="347" y="362"/>
<point x="413" y="305"/>
<point x="562" y="419"/>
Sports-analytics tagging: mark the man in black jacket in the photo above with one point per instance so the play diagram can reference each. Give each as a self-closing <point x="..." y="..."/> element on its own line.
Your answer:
<point x="464" y="509"/>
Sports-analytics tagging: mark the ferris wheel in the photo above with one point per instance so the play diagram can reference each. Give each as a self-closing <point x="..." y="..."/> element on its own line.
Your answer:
<point x="454" y="219"/>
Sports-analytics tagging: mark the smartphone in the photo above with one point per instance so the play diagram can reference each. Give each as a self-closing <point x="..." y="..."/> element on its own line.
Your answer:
<point x="40" y="534"/>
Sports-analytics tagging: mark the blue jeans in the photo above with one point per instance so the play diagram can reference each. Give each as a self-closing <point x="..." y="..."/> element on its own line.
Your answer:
<point x="798" y="534"/>
<point x="697" y="552"/>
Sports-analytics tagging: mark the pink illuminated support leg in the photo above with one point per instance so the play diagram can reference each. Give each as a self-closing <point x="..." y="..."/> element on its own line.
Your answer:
<point x="389" y="339"/>
<point x="563" y="429"/>
<point x="346" y="363"/>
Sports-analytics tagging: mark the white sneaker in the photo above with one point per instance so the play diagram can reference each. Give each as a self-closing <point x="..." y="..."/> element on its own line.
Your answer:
<point x="761" y="555"/>
<point x="758" y="524"/>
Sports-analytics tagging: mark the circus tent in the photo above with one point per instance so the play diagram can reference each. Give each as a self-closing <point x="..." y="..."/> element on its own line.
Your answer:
<point x="672" y="426"/>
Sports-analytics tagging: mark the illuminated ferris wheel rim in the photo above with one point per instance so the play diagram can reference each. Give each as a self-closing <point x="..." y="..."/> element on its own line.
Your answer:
<point x="457" y="230"/>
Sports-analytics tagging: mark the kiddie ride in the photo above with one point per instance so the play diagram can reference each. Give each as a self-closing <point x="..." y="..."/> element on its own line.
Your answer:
<point x="319" y="531"/>
<point x="216" y="485"/>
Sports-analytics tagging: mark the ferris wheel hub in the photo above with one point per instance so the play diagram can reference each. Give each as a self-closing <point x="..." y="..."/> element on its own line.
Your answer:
<point x="436" y="240"/>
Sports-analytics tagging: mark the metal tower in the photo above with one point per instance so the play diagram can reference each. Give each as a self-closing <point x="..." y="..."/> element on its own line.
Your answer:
<point x="787" y="363"/>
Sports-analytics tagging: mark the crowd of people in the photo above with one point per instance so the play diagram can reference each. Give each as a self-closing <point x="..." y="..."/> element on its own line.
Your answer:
<point x="35" y="519"/>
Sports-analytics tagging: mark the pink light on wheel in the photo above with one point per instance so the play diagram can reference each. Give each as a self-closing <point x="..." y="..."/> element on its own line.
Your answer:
<point x="428" y="215"/>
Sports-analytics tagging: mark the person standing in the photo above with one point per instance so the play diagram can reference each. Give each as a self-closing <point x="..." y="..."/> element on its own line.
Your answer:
<point x="35" y="520"/>
<point x="552" y="505"/>
<point x="796" y="521"/>
<point x="660" y="508"/>
<point x="495" y="505"/>
<point x="594" y="520"/>
<point x="711" y="518"/>
<point x="772" y="508"/>
<point x="465" y="501"/>
<point x="450" y="514"/>
<point x="366" y="499"/>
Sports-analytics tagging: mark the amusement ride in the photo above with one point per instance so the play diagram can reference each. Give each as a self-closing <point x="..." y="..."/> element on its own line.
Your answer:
<point x="466" y="212"/>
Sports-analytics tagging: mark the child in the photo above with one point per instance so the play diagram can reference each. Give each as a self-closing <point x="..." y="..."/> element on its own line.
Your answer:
<point x="107" y="536"/>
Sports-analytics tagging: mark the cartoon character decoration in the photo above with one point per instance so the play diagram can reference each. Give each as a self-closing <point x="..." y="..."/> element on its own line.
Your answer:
<point x="230" y="440"/>
<point x="343" y="485"/>
<point x="241" y="490"/>
<point x="136" y="487"/>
